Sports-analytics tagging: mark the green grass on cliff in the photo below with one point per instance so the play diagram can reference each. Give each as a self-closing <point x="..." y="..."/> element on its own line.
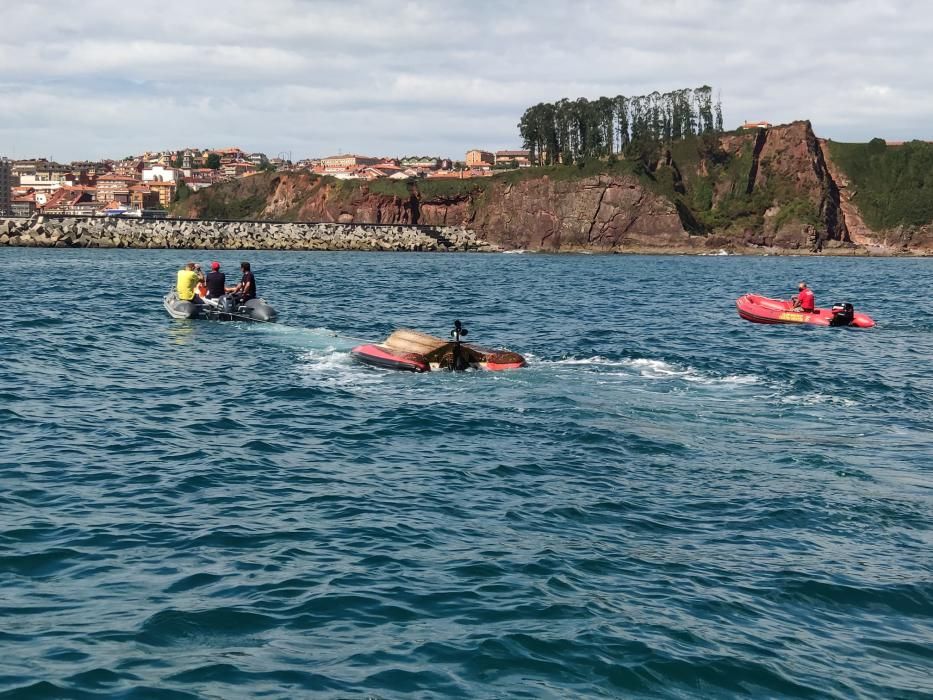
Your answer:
<point x="893" y="185"/>
<point x="238" y="199"/>
<point x="709" y="188"/>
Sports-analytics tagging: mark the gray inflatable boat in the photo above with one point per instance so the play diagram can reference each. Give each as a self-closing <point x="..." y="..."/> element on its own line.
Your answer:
<point x="224" y="308"/>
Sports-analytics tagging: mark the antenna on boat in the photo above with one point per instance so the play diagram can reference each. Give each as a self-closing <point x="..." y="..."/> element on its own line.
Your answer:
<point x="459" y="362"/>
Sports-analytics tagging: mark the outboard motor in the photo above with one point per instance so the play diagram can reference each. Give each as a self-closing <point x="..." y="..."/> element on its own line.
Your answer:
<point x="459" y="362"/>
<point x="843" y="315"/>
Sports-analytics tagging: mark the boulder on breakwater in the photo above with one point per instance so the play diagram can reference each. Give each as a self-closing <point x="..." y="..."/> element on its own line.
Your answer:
<point x="99" y="232"/>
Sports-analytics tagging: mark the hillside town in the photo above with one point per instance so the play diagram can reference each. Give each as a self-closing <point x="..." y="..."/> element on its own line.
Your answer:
<point x="148" y="184"/>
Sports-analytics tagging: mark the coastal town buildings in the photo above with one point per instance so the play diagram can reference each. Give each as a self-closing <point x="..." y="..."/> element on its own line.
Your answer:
<point x="164" y="190"/>
<point x="114" y="187"/>
<point x="39" y="169"/>
<point x="41" y="175"/>
<point x="160" y="173"/>
<point x="23" y="205"/>
<point x="151" y="181"/>
<point x="6" y="189"/>
<point x="477" y="158"/>
<point x="69" y="200"/>
<point x="143" y="197"/>
<point x="237" y="169"/>
<point x="346" y="162"/>
<point x="422" y="163"/>
<point x="199" y="178"/>
<point x="132" y="167"/>
<point x="518" y="158"/>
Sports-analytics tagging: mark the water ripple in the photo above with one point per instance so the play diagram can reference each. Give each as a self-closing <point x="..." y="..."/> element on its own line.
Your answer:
<point x="668" y="502"/>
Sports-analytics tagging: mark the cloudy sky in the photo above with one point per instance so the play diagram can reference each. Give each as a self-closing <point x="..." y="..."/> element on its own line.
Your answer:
<point x="389" y="77"/>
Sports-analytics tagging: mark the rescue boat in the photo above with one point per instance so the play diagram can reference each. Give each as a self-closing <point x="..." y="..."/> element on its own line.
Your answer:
<point x="759" y="309"/>
<point x="411" y="351"/>
<point x="224" y="308"/>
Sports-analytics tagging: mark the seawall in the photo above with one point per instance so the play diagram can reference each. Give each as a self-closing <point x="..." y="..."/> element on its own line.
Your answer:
<point x="97" y="232"/>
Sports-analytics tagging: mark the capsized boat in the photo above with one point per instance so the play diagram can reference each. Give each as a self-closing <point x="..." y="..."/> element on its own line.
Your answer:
<point x="223" y="308"/>
<point x="759" y="309"/>
<point x="412" y="351"/>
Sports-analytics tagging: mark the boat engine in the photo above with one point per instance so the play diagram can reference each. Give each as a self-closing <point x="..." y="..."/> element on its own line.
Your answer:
<point x="843" y="314"/>
<point x="459" y="362"/>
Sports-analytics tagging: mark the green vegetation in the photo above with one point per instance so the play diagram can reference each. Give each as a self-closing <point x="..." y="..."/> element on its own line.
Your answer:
<point x="213" y="161"/>
<point x="182" y="192"/>
<point x="239" y="199"/>
<point x="893" y="185"/>
<point x="567" y="131"/>
<point x="248" y="208"/>
<point x="710" y="188"/>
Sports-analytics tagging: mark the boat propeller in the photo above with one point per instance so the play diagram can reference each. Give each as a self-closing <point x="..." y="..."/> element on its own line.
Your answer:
<point x="458" y="363"/>
<point x="458" y="331"/>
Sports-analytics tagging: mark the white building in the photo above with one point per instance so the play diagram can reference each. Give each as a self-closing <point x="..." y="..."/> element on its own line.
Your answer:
<point x="159" y="173"/>
<point x="6" y="186"/>
<point x="47" y="182"/>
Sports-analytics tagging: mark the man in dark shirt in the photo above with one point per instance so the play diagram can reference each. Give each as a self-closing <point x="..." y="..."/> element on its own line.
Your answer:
<point x="216" y="282"/>
<point x="246" y="289"/>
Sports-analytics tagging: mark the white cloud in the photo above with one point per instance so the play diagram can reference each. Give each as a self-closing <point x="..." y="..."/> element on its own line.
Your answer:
<point x="396" y="76"/>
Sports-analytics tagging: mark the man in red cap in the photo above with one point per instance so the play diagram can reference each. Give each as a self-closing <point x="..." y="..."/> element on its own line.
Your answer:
<point x="216" y="282"/>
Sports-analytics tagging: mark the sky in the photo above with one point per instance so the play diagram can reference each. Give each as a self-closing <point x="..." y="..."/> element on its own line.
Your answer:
<point x="312" y="78"/>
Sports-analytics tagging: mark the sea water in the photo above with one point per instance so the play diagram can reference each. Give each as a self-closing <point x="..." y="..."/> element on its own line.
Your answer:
<point x="668" y="502"/>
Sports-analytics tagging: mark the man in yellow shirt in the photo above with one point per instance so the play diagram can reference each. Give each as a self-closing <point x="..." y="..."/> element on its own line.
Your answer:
<point x="188" y="278"/>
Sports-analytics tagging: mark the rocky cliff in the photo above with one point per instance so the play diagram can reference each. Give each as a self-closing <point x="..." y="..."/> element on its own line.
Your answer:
<point x="773" y="188"/>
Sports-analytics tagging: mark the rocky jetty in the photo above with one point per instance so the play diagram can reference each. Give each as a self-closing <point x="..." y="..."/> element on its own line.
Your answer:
<point x="65" y="232"/>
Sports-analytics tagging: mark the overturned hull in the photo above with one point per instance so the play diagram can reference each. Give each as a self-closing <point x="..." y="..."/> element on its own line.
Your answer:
<point x="224" y="308"/>
<point x="411" y="351"/>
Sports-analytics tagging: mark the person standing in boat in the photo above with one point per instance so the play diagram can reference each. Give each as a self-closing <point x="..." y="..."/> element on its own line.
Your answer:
<point x="804" y="301"/>
<point x="216" y="282"/>
<point x="246" y="289"/>
<point x="187" y="281"/>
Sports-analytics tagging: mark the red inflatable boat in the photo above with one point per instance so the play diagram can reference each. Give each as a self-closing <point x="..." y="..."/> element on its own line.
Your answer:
<point x="759" y="309"/>
<point x="411" y="351"/>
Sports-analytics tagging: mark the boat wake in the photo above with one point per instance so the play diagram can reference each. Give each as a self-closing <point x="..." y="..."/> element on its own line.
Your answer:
<point x="654" y="369"/>
<point x="818" y="399"/>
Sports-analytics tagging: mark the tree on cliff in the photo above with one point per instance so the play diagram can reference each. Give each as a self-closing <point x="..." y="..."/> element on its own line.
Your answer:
<point x="213" y="161"/>
<point x="182" y="192"/>
<point x="569" y="131"/>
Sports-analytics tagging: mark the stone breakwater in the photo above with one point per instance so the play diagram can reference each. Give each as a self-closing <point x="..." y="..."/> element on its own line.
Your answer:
<point x="65" y="232"/>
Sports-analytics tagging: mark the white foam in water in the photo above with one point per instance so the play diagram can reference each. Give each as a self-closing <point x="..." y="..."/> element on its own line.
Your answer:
<point x="335" y="368"/>
<point x="597" y="360"/>
<point x="818" y="399"/>
<point x="659" y="369"/>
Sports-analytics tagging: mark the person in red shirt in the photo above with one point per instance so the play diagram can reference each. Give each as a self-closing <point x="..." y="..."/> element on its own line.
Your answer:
<point x="804" y="301"/>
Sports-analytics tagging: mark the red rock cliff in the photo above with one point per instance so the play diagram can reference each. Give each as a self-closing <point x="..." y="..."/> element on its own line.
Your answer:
<point x="781" y="171"/>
